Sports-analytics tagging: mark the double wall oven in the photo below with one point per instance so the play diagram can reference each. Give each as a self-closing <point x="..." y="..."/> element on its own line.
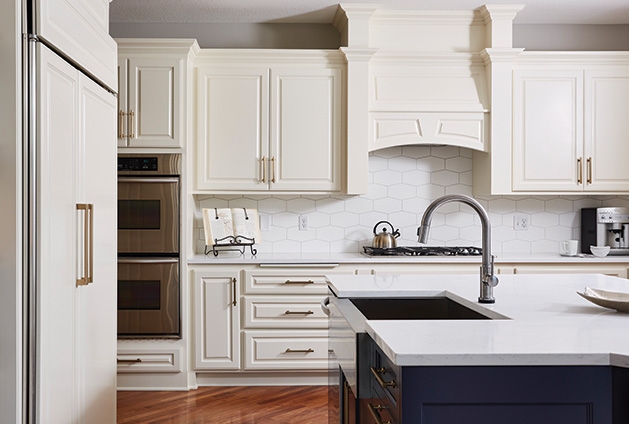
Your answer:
<point x="148" y="245"/>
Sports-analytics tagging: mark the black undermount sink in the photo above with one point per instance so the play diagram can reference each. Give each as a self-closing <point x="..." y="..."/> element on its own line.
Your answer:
<point x="419" y="308"/>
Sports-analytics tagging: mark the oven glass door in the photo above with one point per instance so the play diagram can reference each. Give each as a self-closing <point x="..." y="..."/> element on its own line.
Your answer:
<point x="148" y="215"/>
<point x="148" y="297"/>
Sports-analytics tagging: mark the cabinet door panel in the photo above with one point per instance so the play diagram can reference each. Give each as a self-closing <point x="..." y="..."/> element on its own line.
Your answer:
<point x="96" y="310"/>
<point x="216" y="321"/>
<point x="547" y="130"/>
<point x="306" y="129"/>
<point x="606" y="106"/>
<point x="154" y="98"/>
<point x="80" y="28"/>
<point x="232" y="128"/>
<point x="57" y="240"/>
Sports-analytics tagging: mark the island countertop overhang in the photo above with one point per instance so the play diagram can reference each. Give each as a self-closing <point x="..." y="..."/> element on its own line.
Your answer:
<point x="549" y="325"/>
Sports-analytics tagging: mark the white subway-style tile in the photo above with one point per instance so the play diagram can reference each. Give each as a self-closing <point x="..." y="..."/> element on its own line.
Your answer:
<point x="402" y="183"/>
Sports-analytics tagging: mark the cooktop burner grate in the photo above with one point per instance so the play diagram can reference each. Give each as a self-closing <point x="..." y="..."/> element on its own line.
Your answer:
<point x="423" y="251"/>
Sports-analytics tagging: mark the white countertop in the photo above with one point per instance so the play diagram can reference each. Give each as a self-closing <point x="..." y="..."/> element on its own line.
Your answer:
<point x="340" y="258"/>
<point x="549" y="323"/>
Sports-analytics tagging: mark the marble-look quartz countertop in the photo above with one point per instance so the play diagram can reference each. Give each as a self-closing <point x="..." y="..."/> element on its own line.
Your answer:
<point x="546" y="323"/>
<point x="341" y="258"/>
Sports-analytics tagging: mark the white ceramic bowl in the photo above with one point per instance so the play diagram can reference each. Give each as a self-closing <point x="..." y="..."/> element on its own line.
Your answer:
<point x="599" y="251"/>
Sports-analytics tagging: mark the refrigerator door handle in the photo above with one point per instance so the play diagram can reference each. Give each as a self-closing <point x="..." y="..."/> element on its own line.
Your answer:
<point x="86" y="275"/>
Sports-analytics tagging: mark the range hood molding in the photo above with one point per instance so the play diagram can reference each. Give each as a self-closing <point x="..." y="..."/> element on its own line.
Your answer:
<point x="428" y="82"/>
<point x="428" y="98"/>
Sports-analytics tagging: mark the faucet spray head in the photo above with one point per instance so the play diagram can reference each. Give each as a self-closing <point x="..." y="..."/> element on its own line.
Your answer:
<point x="422" y="233"/>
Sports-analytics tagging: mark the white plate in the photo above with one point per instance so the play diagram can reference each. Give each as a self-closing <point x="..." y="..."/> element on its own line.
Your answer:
<point x="607" y="299"/>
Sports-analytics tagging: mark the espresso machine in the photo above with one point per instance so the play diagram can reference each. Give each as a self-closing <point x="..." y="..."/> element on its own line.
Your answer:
<point x="605" y="227"/>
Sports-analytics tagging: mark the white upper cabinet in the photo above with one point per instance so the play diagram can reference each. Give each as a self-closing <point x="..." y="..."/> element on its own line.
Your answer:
<point x="305" y="146"/>
<point x="606" y="135"/>
<point x="152" y="78"/>
<point x="548" y="130"/>
<point x="569" y="126"/>
<point x="232" y="136"/>
<point x="80" y="29"/>
<point x="269" y="125"/>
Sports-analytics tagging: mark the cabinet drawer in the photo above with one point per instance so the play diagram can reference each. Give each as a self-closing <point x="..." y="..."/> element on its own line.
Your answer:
<point x="284" y="283"/>
<point x="284" y="312"/>
<point x="377" y="411"/>
<point x="384" y="376"/>
<point x="283" y="350"/>
<point x="141" y="360"/>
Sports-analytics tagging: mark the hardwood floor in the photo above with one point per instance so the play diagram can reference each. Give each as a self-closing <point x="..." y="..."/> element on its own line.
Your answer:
<point x="226" y="405"/>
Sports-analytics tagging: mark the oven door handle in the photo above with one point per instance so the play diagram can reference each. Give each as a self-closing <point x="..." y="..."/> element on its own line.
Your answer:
<point x="148" y="260"/>
<point x="148" y="180"/>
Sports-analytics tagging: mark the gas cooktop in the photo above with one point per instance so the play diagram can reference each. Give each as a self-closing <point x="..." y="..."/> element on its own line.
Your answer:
<point x="423" y="251"/>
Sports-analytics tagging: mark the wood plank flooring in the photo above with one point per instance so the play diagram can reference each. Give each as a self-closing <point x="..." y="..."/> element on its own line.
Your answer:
<point x="226" y="405"/>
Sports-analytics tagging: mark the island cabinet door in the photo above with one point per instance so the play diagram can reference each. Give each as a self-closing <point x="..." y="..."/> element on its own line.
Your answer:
<point x="507" y="394"/>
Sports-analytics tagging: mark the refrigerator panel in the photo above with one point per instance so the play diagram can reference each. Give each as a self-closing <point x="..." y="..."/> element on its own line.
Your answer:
<point x="79" y="29"/>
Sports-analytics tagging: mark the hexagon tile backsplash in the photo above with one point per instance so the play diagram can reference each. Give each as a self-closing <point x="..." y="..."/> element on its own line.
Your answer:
<point x="402" y="182"/>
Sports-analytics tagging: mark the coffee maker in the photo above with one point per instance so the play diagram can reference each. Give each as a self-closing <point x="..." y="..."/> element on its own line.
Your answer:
<point x="605" y="227"/>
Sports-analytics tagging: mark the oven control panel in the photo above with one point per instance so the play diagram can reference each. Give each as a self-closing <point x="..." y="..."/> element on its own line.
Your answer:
<point x="137" y="164"/>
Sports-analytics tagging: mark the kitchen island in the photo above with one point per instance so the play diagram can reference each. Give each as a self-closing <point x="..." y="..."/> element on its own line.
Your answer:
<point x="547" y="355"/>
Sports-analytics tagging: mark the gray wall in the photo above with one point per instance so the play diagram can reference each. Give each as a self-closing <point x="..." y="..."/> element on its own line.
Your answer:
<point x="278" y="36"/>
<point x="571" y="37"/>
<point x="324" y="36"/>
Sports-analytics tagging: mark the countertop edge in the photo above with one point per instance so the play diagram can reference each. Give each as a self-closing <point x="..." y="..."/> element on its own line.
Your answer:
<point x="229" y="258"/>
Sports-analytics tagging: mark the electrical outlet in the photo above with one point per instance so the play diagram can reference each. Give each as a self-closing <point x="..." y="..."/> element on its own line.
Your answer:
<point x="520" y="223"/>
<point x="303" y="222"/>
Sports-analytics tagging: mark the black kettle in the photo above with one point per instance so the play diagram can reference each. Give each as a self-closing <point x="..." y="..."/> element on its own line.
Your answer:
<point x="384" y="240"/>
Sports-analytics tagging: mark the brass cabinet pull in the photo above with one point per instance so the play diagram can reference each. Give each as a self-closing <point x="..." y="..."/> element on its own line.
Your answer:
<point x="234" y="288"/>
<point x="579" y="171"/>
<point x="298" y="282"/>
<point x="384" y="384"/>
<point x="121" y="115"/>
<point x="273" y="169"/>
<point x="589" y="163"/>
<point x="289" y="312"/>
<point x="129" y="361"/>
<point x="131" y="116"/>
<point x="375" y="412"/>
<point x="289" y="350"/>
<point x="88" y="244"/>
<point x="263" y="169"/>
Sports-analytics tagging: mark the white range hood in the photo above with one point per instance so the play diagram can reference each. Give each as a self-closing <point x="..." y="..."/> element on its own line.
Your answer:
<point x="418" y="77"/>
<point x="427" y="98"/>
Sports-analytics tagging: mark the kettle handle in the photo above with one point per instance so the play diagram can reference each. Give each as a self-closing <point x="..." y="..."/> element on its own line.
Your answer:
<point x="395" y="233"/>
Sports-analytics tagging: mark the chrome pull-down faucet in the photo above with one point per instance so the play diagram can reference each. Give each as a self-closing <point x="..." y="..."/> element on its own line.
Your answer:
<point x="487" y="278"/>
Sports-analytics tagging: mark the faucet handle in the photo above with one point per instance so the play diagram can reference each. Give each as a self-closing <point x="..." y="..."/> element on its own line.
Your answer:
<point x="490" y="279"/>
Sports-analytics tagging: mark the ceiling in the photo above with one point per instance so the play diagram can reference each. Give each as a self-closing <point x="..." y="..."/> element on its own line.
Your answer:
<point x="322" y="11"/>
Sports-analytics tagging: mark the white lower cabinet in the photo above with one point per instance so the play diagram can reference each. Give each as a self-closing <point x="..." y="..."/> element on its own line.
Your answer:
<point x="284" y="325"/>
<point x="286" y="349"/>
<point x="616" y="270"/>
<point x="149" y="360"/>
<point x="284" y="312"/>
<point x="274" y="324"/>
<point x="216" y="312"/>
<point x="262" y="321"/>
